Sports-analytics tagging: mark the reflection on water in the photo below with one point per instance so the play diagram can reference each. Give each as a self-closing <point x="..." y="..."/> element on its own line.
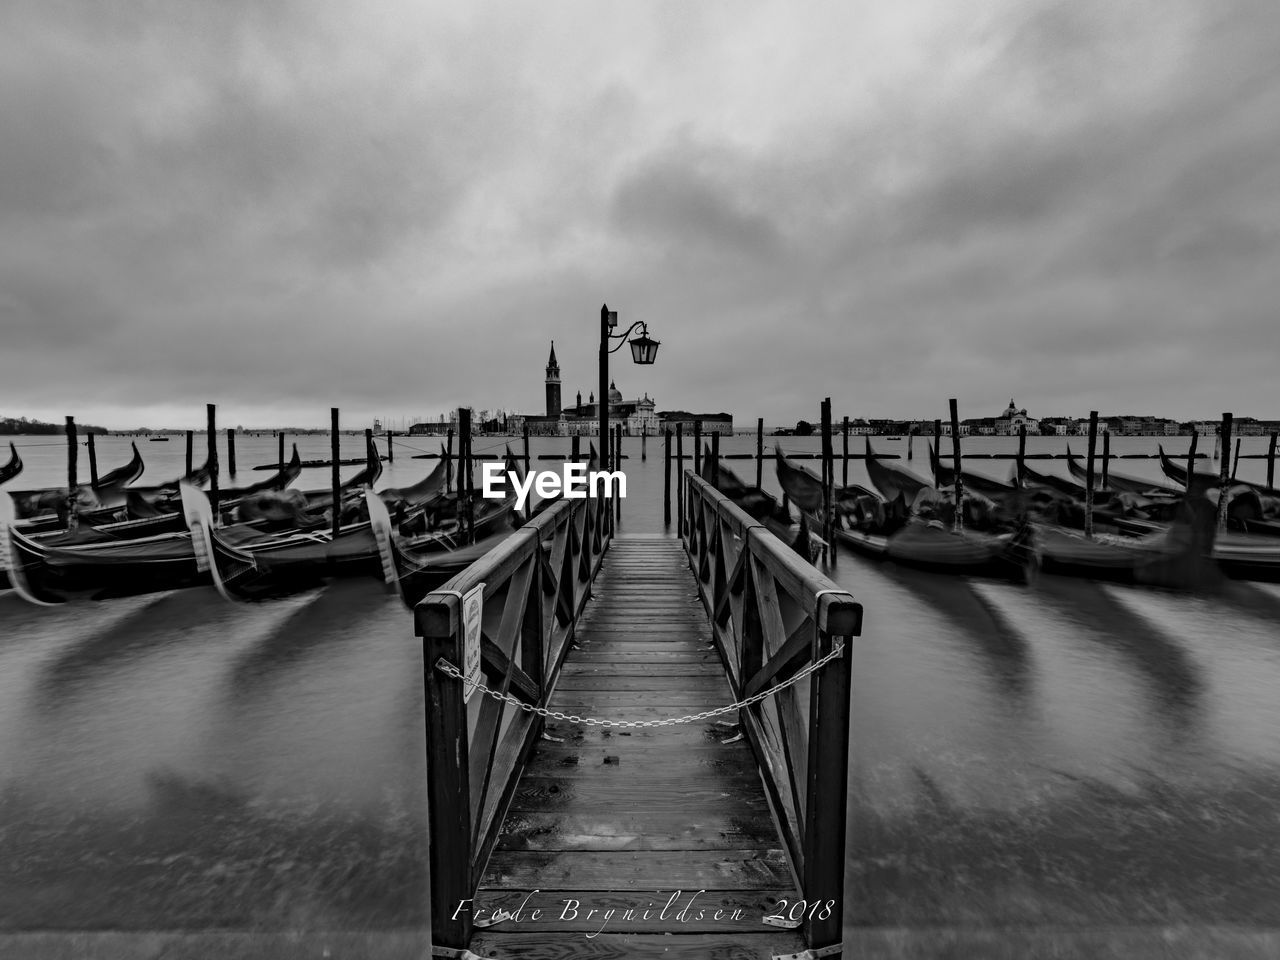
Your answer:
<point x="1069" y="752"/>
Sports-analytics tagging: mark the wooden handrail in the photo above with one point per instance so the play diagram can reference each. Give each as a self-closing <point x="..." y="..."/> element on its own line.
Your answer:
<point x="535" y="584"/>
<point x="772" y="614"/>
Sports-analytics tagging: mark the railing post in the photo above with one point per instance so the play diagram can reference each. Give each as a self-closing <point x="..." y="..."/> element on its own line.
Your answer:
<point x="828" y="770"/>
<point x="439" y="623"/>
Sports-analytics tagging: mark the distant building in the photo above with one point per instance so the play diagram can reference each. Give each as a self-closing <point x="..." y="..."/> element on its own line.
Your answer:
<point x="637" y="417"/>
<point x="721" y="423"/>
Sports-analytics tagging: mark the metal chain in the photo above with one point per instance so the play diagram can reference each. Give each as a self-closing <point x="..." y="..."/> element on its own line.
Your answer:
<point x="444" y="666"/>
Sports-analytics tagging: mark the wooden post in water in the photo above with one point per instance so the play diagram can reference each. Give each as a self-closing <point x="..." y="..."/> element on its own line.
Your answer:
<point x="617" y="465"/>
<point x="1235" y="461"/>
<point x="1271" y="460"/>
<point x="1224" y="476"/>
<point x="391" y="454"/>
<point x="191" y="439"/>
<point x="1022" y="451"/>
<point x="1191" y="457"/>
<point x="231" y="451"/>
<point x="715" y="459"/>
<point x="448" y="463"/>
<point x="644" y="442"/>
<point x="280" y="450"/>
<point x="73" y="482"/>
<point x="575" y="448"/>
<point x="759" y="451"/>
<point x="955" y="455"/>
<point x="1088" y="475"/>
<point x="528" y="464"/>
<point x="464" y="452"/>
<point x="937" y="447"/>
<point x="211" y="434"/>
<point x="666" y="478"/>
<point x="1106" y="455"/>
<point x="697" y="447"/>
<point x="335" y="481"/>
<point x="93" y="459"/>
<point x="829" y="462"/>
<point x="844" y="445"/>
<point x="680" y="478"/>
<point x="911" y="440"/>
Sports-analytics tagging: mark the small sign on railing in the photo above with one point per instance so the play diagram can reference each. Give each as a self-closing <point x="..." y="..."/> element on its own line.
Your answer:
<point x="472" y="616"/>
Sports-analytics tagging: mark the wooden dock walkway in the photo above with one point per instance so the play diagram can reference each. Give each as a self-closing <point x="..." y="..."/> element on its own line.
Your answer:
<point x="555" y="835"/>
<point x="629" y="819"/>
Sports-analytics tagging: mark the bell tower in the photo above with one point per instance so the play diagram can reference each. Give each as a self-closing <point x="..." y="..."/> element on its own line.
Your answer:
<point x="553" y="383"/>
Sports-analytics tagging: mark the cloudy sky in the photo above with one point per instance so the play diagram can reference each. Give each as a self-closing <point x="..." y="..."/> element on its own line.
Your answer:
<point x="393" y="207"/>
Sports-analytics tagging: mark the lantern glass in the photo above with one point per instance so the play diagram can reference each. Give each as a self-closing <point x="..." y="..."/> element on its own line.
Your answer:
<point x="644" y="350"/>
<point x="613" y="319"/>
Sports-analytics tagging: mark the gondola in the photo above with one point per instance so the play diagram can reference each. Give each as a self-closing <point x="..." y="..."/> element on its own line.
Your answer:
<point x="944" y="476"/>
<point x="287" y="560"/>
<point x="1177" y="472"/>
<point x="13" y="467"/>
<point x="1179" y="555"/>
<point x="96" y="563"/>
<point x="108" y="492"/>
<point x="1152" y="489"/>
<point x="918" y="542"/>
<point x="1251" y="507"/>
<point x="416" y="565"/>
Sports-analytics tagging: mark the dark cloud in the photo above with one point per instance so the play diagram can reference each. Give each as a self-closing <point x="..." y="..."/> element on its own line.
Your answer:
<point x="287" y="206"/>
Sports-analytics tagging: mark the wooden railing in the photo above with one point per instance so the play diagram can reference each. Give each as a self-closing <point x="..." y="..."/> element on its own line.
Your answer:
<point x="534" y="586"/>
<point x="773" y="614"/>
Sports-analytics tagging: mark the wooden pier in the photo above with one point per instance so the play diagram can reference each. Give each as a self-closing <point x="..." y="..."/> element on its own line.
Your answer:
<point x="568" y="837"/>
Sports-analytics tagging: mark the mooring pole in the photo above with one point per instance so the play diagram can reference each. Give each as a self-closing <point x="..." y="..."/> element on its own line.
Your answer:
<point x="1271" y="460"/>
<point x="937" y="447"/>
<point x="211" y="435"/>
<point x="191" y="439"/>
<point x="231" y="452"/>
<point x="955" y="454"/>
<point x="697" y="447"/>
<point x="335" y="481"/>
<point x="391" y="454"/>
<point x="448" y="463"/>
<point x="759" y="452"/>
<point x="1088" y="482"/>
<point x="1106" y="455"/>
<point x="911" y="440"/>
<point x="828" y="458"/>
<point x="644" y="442"/>
<point x="280" y="450"/>
<point x="575" y="448"/>
<point x="1191" y="458"/>
<point x="666" y="478"/>
<point x="1022" y="450"/>
<point x="844" y="443"/>
<point x="72" y="482"/>
<point x="93" y="459"/>
<point x="464" y="490"/>
<point x="1235" y="461"/>
<point x="680" y="477"/>
<point x="715" y="459"/>
<point x="528" y="464"/>
<point x="1224" y="476"/>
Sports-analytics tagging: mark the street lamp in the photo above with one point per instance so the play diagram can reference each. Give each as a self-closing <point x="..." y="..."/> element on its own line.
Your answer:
<point x="643" y="350"/>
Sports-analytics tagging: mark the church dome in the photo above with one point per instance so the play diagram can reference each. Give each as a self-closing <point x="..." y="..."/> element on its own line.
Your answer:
<point x="615" y="395"/>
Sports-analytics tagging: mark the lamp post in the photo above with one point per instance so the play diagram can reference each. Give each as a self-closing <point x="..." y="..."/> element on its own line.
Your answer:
<point x="643" y="350"/>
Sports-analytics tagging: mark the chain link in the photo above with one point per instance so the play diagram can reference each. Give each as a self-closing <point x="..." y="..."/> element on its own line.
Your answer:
<point x="444" y="666"/>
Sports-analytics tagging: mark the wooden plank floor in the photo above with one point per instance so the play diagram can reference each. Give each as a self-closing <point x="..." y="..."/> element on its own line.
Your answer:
<point x="669" y="823"/>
